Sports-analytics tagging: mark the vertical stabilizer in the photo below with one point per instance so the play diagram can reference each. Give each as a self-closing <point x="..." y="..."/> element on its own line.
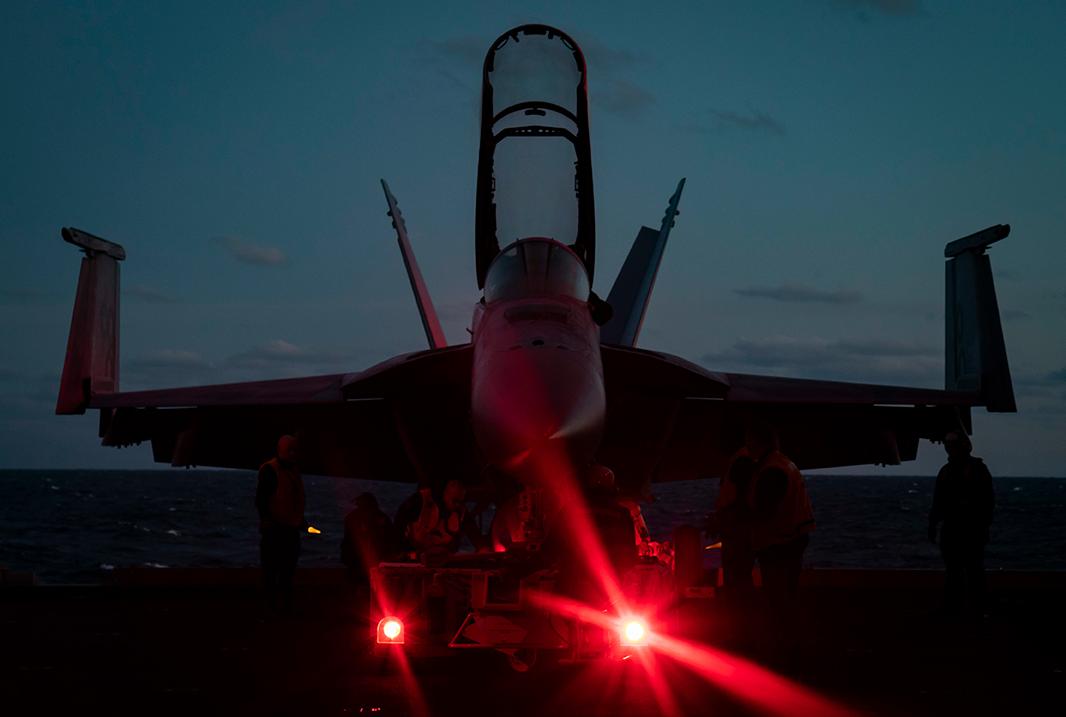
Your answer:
<point x="975" y="354"/>
<point x="428" y="314"/>
<point x="91" y="366"/>
<point x="632" y="288"/>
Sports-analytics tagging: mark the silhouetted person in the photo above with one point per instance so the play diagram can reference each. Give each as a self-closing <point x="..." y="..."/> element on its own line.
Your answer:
<point x="279" y="498"/>
<point x="367" y="537"/>
<point x="963" y="502"/>
<point x="731" y="521"/>
<point x="610" y="524"/>
<point x="436" y="527"/>
<point x="781" y="523"/>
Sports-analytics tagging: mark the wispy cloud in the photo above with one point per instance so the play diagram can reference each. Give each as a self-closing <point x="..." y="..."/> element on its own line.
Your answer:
<point x="169" y="359"/>
<point x="799" y="294"/>
<point x="723" y="120"/>
<point x="147" y="294"/>
<point x="165" y="368"/>
<point x="274" y="359"/>
<point x="892" y="8"/>
<point x="613" y="87"/>
<point x="623" y="97"/>
<point x="280" y="356"/>
<point x="865" y="360"/>
<point x="251" y="253"/>
<point x="465" y="49"/>
<point x="751" y="121"/>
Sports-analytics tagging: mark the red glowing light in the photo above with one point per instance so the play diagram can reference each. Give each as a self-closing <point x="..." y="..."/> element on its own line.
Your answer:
<point x="390" y="631"/>
<point x="634" y="632"/>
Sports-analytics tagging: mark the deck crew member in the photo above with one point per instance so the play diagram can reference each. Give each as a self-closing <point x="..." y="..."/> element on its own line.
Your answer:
<point x="436" y="527"/>
<point x="731" y="521"/>
<point x="963" y="503"/>
<point x="367" y="537"/>
<point x="279" y="498"/>
<point x="782" y="519"/>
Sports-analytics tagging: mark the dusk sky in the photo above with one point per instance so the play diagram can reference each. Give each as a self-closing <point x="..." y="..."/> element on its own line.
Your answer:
<point x="831" y="147"/>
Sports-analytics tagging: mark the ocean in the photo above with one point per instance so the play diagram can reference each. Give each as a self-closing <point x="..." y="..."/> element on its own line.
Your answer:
<point x="74" y="526"/>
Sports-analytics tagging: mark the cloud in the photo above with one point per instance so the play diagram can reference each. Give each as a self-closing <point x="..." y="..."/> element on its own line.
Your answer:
<point x="721" y="120"/>
<point x="282" y="357"/>
<point x="249" y="253"/>
<point x="753" y="121"/>
<point x="613" y="88"/>
<point x="864" y="360"/>
<point x="274" y="359"/>
<point x="148" y="295"/>
<point x="464" y="50"/>
<point x="169" y="359"/>
<point x="167" y="367"/>
<point x="622" y="97"/>
<point x="799" y="294"/>
<point x="893" y="8"/>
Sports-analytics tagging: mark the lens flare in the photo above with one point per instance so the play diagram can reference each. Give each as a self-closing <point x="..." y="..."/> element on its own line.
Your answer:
<point x="634" y="632"/>
<point x="390" y="631"/>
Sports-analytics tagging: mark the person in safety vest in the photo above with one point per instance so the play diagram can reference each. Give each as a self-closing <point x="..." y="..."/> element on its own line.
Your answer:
<point x="279" y="498"/>
<point x="592" y="539"/>
<point x="437" y="527"/>
<point x="963" y="502"/>
<point x="781" y="517"/>
<point x="731" y="522"/>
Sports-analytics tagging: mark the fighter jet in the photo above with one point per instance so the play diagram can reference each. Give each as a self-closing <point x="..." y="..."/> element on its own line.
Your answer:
<point x="550" y="366"/>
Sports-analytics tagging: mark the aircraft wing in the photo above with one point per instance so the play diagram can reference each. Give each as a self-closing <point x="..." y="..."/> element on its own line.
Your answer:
<point x="402" y="420"/>
<point x="669" y="419"/>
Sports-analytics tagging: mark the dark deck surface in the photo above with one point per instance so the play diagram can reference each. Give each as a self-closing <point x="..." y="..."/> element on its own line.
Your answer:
<point x="868" y="642"/>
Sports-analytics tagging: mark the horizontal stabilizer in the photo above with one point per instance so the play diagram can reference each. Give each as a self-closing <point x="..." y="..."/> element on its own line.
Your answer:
<point x="426" y="311"/>
<point x="91" y="365"/>
<point x="632" y="288"/>
<point x="975" y="354"/>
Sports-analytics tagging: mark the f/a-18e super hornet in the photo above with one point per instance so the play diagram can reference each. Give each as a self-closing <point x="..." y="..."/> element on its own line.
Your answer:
<point x="550" y="366"/>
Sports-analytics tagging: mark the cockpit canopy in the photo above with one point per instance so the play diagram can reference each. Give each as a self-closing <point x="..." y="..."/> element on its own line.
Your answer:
<point x="534" y="169"/>
<point x="536" y="267"/>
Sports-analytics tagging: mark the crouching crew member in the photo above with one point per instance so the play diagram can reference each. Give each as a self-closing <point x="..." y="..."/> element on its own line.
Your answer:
<point x="279" y="498"/>
<point x="435" y="528"/>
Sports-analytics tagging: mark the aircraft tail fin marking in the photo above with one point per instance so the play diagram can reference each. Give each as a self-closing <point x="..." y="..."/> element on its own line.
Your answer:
<point x="91" y="365"/>
<point x="632" y="288"/>
<point x="430" y="323"/>
<point x="975" y="354"/>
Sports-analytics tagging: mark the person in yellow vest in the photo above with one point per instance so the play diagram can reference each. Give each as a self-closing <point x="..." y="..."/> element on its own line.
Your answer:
<point x="781" y="518"/>
<point x="279" y="498"/>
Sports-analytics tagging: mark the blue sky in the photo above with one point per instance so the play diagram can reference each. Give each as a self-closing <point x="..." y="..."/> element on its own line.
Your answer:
<point x="831" y="148"/>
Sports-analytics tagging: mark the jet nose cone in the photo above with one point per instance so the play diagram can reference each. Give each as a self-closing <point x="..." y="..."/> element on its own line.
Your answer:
<point x="529" y="398"/>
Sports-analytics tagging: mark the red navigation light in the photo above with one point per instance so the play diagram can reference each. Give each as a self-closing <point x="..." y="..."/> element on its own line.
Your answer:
<point x="390" y="631"/>
<point x="633" y="632"/>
